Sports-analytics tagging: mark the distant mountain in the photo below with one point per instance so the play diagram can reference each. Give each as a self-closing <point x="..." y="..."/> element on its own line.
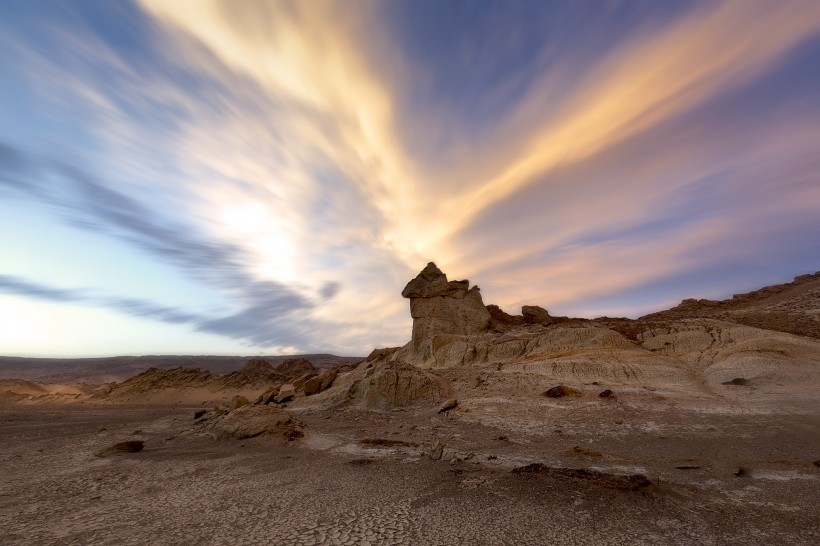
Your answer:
<point x="118" y="368"/>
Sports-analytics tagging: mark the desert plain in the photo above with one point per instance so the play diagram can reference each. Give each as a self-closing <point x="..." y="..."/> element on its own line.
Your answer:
<point x="696" y="425"/>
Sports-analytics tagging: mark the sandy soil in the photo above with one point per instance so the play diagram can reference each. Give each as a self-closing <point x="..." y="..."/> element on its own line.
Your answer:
<point x="344" y="483"/>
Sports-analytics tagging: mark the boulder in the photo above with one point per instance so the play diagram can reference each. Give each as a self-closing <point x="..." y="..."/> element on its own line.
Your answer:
<point x="330" y="377"/>
<point x="200" y="413"/>
<point x="286" y="393"/>
<point x="534" y="314"/>
<point x="319" y="383"/>
<point x="269" y="396"/>
<point x="607" y="394"/>
<point x="251" y="421"/>
<point x="452" y="403"/>
<point x="561" y="391"/>
<point x="397" y="385"/>
<point x="237" y="402"/>
<point x="501" y="321"/>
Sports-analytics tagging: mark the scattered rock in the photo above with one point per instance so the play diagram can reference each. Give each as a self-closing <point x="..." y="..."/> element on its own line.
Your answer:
<point x="251" y="421"/>
<point x="742" y="471"/>
<point x="286" y="393"/>
<point x="121" y="448"/>
<point x="437" y="451"/>
<point x="330" y="378"/>
<point x="384" y="442"/>
<point x="607" y="394"/>
<point x="452" y="403"/>
<point x="534" y="314"/>
<point x="561" y="391"/>
<point x="237" y="402"/>
<point x="319" y="383"/>
<point x="219" y="410"/>
<point x="501" y="321"/>
<point x="635" y="482"/>
<point x="269" y="396"/>
<point x="737" y="381"/>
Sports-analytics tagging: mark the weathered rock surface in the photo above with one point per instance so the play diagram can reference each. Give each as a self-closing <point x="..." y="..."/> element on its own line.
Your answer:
<point x="441" y="307"/>
<point x="286" y="393"/>
<point x="534" y="314"/>
<point x="251" y="421"/>
<point x="319" y="383"/>
<point x="237" y="402"/>
<point x="397" y="385"/>
<point x="452" y="403"/>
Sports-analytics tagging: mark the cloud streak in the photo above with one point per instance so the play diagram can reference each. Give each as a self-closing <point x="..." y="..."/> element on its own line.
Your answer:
<point x="270" y="151"/>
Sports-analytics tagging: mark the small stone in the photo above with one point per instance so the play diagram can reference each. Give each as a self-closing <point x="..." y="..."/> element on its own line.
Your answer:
<point x="561" y="391"/>
<point x="448" y="405"/>
<point x="437" y="451"/>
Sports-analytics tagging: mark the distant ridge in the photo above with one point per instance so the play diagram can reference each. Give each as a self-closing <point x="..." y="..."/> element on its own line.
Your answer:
<point x="792" y="307"/>
<point x="118" y="368"/>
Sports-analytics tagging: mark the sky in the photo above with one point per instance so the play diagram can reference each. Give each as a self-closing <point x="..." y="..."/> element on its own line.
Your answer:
<point x="237" y="177"/>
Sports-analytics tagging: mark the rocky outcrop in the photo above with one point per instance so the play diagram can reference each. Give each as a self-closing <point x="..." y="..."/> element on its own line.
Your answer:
<point x="534" y="314"/>
<point x="398" y="385"/>
<point x="789" y="307"/>
<point x="440" y="307"/>
<point x="251" y="421"/>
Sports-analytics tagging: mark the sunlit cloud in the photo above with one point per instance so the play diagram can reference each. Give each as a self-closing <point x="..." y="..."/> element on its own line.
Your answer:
<point x="269" y="152"/>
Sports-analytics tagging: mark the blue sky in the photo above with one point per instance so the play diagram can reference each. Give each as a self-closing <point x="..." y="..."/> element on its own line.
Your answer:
<point x="240" y="177"/>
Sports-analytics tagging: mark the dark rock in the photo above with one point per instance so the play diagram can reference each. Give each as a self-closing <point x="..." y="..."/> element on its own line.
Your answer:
<point x="534" y="314"/>
<point x="634" y="482"/>
<point x="199" y="413"/>
<point x="737" y="381"/>
<point x="121" y="448"/>
<point x="607" y="394"/>
<point x="561" y="391"/>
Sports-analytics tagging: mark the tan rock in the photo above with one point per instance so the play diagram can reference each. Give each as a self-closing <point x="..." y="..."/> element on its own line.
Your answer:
<point x="286" y="393"/>
<point x="398" y="384"/>
<point x="441" y="307"/>
<point x="534" y="314"/>
<point x="237" y="402"/>
<point x="251" y="421"/>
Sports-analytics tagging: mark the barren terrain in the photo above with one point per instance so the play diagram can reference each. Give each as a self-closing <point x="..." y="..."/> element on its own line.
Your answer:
<point x="486" y="428"/>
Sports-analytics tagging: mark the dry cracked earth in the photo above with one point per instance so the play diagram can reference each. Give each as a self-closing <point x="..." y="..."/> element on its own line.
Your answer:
<point x="364" y="477"/>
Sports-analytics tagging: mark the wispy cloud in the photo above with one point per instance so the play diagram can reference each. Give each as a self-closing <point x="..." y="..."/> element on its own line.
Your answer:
<point x="264" y="150"/>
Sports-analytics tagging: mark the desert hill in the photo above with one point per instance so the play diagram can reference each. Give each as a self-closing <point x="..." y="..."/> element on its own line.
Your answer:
<point x="791" y="307"/>
<point x="119" y="368"/>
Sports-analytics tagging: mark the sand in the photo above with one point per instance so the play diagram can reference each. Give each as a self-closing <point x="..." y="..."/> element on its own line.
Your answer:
<point x="362" y="477"/>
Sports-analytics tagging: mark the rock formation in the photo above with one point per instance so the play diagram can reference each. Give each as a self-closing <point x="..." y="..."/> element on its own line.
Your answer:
<point x="441" y="307"/>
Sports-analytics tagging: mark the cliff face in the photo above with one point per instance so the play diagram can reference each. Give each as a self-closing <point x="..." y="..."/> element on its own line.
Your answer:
<point x="439" y="307"/>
